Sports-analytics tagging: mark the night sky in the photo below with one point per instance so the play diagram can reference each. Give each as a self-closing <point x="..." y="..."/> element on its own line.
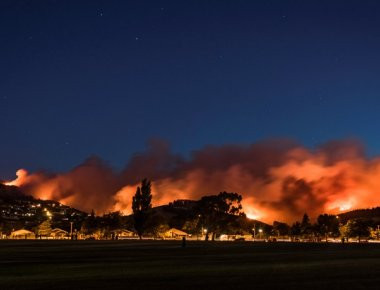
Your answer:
<point x="79" y="78"/>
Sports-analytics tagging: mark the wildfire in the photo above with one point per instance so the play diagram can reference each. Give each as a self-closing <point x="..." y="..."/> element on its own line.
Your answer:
<point x="21" y="175"/>
<point x="278" y="180"/>
<point x="252" y="213"/>
<point x="345" y="207"/>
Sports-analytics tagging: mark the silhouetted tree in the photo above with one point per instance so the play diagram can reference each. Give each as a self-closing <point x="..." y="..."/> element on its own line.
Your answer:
<point x="328" y="225"/>
<point x="111" y="222"/>
<point x="216" y="212"/>
<point x="280" y="229"/>
<point x="306" y="228"/>
<point x="141" y="205"/>
<point x="157" y="227"/>
<point x="191" y="226"/>
<point x="90" y="224"/>
<point x="295" y="229"/>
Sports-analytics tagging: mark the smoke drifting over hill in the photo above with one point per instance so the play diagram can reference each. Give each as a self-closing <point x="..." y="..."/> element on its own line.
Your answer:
<point x="279" y="179"/>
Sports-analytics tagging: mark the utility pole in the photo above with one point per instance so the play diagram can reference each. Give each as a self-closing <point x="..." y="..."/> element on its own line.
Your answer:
<point x="71" y="230"/>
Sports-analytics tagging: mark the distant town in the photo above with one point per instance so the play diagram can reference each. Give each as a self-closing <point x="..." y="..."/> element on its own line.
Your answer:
<point x="216" y="217"/>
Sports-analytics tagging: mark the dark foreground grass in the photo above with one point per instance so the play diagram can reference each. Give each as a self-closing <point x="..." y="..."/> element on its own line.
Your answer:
<point x="165" y="265"/>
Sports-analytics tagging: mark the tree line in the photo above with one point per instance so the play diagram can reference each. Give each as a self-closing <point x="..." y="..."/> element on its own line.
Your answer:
<point x="327" y="226"/>
<point x="223" y="213"/>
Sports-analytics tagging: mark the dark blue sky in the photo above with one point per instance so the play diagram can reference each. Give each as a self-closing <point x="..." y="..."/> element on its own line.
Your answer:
<point x="102" y="77"/>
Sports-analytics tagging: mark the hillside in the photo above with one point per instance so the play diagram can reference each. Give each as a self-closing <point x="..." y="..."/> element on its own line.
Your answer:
<point x="8" y="194"/>
<point x="368" y="214"/>
<point x="182" y="214"/>
<point x="18" y="210"/>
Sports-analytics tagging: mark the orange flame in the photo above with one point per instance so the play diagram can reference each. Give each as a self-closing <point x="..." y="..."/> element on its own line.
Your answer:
<point x="276" y="184"/>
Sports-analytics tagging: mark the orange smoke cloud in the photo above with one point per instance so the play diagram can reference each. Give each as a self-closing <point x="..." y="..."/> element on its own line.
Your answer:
<point x="279" y="179"/>
<point x="22" y="175"/>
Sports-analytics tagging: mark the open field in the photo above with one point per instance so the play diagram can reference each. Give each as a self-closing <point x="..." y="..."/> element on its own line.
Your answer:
<point x="165" y="265"/>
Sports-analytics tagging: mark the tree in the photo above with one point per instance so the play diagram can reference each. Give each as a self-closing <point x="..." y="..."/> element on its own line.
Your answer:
<point x="295" y="229"/>
<point x="280" y="229"/>
<point x="306" y="228"/>
<point x="191" y="226"/>
<point x="328" y="225"/>
<point x="90" y="224"/>
<point x="44" y="229"/>
<point x="141" y="206"/>
<point x="356" y="228"/>
<point x="216" y="212"/>
<point x="111" y="222"/>
<point x="159" y="227"/>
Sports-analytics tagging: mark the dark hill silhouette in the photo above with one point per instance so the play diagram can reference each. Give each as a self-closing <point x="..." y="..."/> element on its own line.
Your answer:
<point x="367" y="214"/>
<point x="9" y="194"/>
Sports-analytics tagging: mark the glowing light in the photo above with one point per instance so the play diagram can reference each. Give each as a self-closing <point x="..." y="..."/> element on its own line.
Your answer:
<point x="252" y="216"/>
<point x="345" y="207"/>
<point x="252" y="213"/>
<point x="342" y="205"/>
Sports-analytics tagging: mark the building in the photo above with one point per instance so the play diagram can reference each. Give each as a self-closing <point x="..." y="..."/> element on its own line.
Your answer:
<point x="123" y="234"/>
<point x="22" y="234"/>
<point x="174" y="233"/>
<point x="59" y="234"/>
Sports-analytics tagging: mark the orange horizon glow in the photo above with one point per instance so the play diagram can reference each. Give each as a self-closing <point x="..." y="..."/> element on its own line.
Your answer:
<point x="45" y="191"/>
<point x="303" y="182"/>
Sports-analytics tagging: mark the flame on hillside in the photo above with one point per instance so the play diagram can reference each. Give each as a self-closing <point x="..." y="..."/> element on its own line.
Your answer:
<point x="279" y="179"/>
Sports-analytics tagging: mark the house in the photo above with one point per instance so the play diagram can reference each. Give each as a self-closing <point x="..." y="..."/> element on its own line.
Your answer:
<point x="174" y="233"/>
<point x="123" y="234"/>
<point x="22" y="234"/>
<point x="59" y="234"/>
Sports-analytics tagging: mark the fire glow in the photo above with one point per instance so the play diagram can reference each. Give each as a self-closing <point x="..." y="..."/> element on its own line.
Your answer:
<point x="279" y="179"/>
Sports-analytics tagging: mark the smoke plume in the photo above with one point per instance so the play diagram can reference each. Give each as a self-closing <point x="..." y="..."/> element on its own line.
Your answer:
<point x="278" y="179"/>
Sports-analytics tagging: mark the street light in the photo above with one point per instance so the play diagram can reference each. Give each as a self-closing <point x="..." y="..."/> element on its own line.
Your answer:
<point x="206" y="235"/>
<point x="260" y="231"/>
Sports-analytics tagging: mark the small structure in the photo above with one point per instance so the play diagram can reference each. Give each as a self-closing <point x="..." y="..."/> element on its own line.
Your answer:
<point x="123" y="234"/>
<point x="236" y="237"/>
<point x="174" y="233"/>
<point x="22" y="234"/>
<point x="59" y="234"/>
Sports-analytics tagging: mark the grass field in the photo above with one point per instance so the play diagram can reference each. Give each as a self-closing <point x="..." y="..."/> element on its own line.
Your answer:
<point x="165" y="265"/>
